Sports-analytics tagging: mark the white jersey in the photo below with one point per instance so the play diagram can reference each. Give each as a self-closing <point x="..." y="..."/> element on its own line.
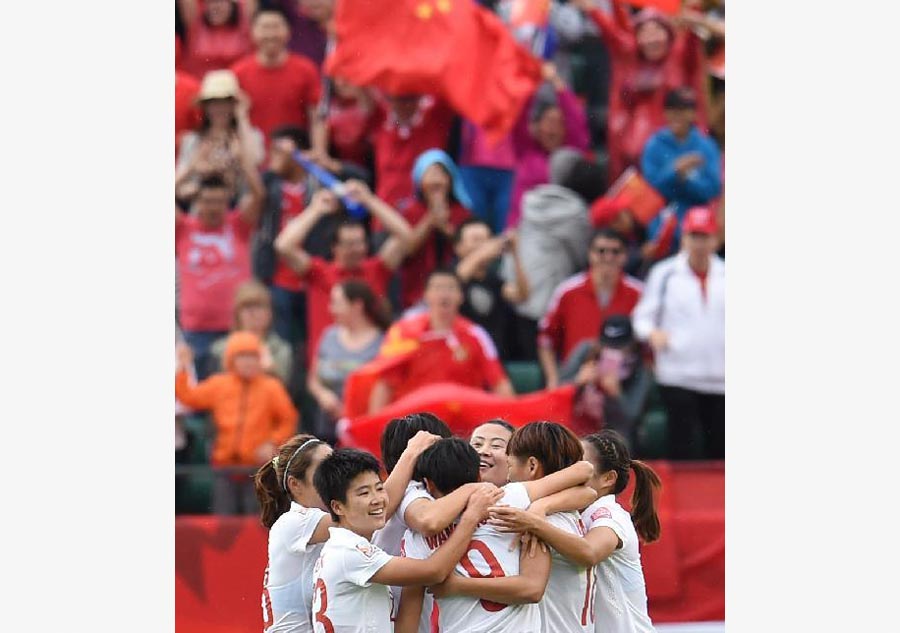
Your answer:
<point x="389" y="537"/>
<point x="344" y="601"/>
<point x="621" y="596"/>
<point x="287" y="586"/>
<point x="488" y="556"/>
<point x="567" y="606"/>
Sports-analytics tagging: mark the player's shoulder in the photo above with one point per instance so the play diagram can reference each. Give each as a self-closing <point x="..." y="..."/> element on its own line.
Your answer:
<point x="605" y="507"/>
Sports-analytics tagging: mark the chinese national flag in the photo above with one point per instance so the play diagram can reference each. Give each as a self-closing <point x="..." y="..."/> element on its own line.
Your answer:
<point x="453" y="49"/>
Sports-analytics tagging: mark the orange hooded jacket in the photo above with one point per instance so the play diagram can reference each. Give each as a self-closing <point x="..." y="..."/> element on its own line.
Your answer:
<point x="246" y="413"/>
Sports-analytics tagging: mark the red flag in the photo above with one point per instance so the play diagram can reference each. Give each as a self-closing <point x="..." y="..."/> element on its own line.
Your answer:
<point x="671" y="7"/>
<point x="453" y="49"/>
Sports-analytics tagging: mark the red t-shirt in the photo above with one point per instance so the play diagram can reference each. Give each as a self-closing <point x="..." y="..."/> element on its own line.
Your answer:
<point x="187" y="114"/>
<point x="465" y="355"/>
<point x="322" y="276"/>
<point x="292" y="204"/>
<point x="279" y="95"/>
<point x="211" y="265"/>
<point x="396" y="149"/>
<point x="350" y="130"/>
<point x="575" y="313"/>
<point x="436" y="251"/>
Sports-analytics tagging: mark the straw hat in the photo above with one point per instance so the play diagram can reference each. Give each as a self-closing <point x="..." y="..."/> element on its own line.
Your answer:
<point x="218" y="84"/>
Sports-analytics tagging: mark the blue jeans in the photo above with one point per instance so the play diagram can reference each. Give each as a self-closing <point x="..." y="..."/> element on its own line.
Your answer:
<point x="289" y="315"/>
<point x="490" y="190"/>
<point x="200" y="342"/>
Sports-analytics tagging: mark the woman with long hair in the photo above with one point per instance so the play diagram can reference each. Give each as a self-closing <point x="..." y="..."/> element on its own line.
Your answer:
<point x="216" y="33"/>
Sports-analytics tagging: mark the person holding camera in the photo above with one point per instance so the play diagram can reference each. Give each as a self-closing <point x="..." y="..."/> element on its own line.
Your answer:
<point x="487" y="298"/>
<point x="613" y="380"/>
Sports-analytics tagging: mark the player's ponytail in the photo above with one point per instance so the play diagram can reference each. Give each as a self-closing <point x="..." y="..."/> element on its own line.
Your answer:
<point x="271" y="479"/>
<point x="612" y="452"/>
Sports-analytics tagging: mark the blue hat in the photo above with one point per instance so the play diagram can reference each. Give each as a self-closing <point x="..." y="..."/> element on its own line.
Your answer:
<point x="428" y="158"/>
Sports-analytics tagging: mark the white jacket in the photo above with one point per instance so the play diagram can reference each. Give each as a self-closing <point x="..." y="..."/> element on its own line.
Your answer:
<point x="672" y="301"/>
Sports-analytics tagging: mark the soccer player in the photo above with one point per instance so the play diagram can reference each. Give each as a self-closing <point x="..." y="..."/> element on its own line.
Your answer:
<point x="612" y="536"/>
<point x="496" y="587"/>
<point x="293" y="512"/>
<point x="490" y="440"/>
<point x="536" y="450"/>
<point x="351" y="577"/>
<point x="417" y="510"/>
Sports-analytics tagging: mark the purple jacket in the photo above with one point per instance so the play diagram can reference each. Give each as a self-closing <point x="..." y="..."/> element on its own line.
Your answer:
<point x="532" y="160"/>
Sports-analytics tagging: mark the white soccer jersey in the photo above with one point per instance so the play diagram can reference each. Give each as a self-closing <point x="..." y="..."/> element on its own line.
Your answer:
<point x="287" y="586"/>
<point x="344" y="601"/>
<point x="567" y="605"/>
<point x="388" y="538"/>
<point x="620" y="596"/>
<point x="488" y="556"/>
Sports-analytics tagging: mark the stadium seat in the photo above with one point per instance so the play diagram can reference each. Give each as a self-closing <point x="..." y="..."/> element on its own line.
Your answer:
<point x="525" y="376"/>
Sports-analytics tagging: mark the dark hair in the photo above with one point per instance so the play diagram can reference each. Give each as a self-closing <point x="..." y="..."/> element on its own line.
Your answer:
<point x="506" y="425"/>
<point x="608" y="233"/>
<point x="451" y="195"/>
<point x="444" y="271"/>
<point x="233" y="21"/>
<point x="553" y="445"/>
<point x="358" y="290"/>
<point x="540" y="108"/>
<point x="213" y="181"/>
<point x="294" y="133"/>
<point x="448" y="464"/>
<point x="334" y="474"/>
<point x="271" y="9"/>
<point x="587" y="179"/>
<point x="400" y="431"/>
<point x="612" y="454"/>
<point x="269" y="480"/>
<point x="344" y="223"/>
<point x="457" y="235"/>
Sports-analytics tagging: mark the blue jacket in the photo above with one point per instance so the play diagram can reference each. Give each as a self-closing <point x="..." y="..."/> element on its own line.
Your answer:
<point x="701" y="186"/>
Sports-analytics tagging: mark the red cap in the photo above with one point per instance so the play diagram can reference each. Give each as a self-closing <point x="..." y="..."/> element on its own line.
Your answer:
<point x="700" y="220"/>
<point x="604" y="210"/>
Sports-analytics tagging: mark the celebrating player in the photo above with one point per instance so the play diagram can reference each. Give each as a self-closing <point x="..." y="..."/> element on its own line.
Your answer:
<point x="611" y="542"/>
<point x="352" y="575"/>
<point x="490" y="440"/>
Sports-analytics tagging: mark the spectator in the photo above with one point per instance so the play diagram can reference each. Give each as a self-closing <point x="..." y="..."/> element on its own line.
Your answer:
<point x="487" y="299"/>
<point x="359" y="324"/>
<point x="447" y="348"/>
<point x="681" y="162"/>
<point x="183" y="439"/>
<point x="252" y="414"/>
<point x="283" y="88"/>
<point x="487" y="171"/>
<point x="350" y="251"/>
<point x="309" y="21"/>
<point x="649" y="57"/>
<point x="253" y="313"/>
<point x="212" y="249"/>
<point x="614" y="213"/>
<point x="553" y="236"/>
<point x="611" y="370"/>
<point x="225" y="143"/>
<point x="548" y="122"/>
<point x="682" y="315"/>
<point x="349" y="113"/>
<point x="404" y="127"/>
<point x="581" y="303"/>
<point x="218" y="33"/>
<point x="442" y="204"/>
<point x="187" y="115"/>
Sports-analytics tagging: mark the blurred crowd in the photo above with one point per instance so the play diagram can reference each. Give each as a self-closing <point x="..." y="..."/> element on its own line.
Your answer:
<point x="586" y="246"/>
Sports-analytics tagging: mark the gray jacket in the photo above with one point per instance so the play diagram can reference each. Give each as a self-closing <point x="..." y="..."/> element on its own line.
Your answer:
<point x="554" y="236"/>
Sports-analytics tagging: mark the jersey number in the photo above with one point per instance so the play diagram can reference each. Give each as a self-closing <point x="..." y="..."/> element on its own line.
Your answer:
<point x="493" y="563"/>
<point x="268" y="616"/>
<point x="321" y="618"/>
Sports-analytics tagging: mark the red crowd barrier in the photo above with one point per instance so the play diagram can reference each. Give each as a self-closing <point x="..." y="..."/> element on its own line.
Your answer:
<point x="219" y="561"/>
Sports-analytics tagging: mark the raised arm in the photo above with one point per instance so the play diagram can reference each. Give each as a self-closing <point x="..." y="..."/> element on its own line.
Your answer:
<point x="289" y="243"/>
<point x="396" y="483"/>
<point x="614" y="29"/>
<point x="520" y="290"/>
<point x="484" y="254"/>
<point x="200" y="396"/>
<point x="401" y="572"/>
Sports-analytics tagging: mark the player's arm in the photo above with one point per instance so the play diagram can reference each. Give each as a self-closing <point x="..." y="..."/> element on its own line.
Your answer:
<point x="526" y="588"/>
<point x="396" y="483"/>
<point x="410" y="610"/>
<point x="575" y="475"/>
<point x="575" y="498"/>
<point x="401" y="572"/>
<point x="430" y="516"/>
<point x="321" y="533"/>
<point x="587" y="550"/>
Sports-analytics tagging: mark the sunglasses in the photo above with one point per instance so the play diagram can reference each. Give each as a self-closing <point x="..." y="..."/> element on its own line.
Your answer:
<point x="600" y="250"/>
